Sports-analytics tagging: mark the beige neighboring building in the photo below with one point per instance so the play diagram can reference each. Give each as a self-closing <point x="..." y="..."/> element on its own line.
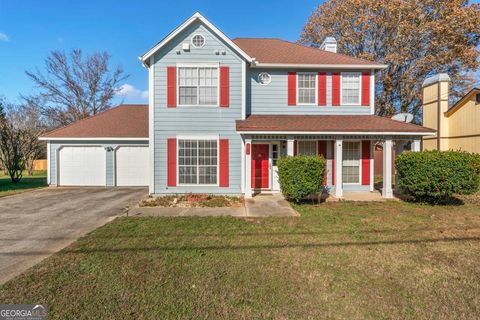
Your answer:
<point x="458" y="127"/>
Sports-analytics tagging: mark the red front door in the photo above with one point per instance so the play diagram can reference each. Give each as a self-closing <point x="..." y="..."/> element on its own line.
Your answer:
<point x="260" y="166"/>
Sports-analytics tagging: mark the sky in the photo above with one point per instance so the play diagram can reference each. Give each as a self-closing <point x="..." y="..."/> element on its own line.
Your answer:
<point x="31" y="29"/>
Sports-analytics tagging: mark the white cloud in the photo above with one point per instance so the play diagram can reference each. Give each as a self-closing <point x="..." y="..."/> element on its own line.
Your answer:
<point x="3" y="37"/>
<point x="129" y="92"/>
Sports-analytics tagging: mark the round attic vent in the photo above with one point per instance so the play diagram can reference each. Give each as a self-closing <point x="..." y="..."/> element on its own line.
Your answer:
<point x="264" y="78"/>
<point x="198" y="41"/>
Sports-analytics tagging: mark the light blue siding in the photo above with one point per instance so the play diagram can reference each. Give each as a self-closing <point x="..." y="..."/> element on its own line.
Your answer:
<point x="109" y="156"/>
<point x="273" y="98"/>
<point x="198" y="121"/>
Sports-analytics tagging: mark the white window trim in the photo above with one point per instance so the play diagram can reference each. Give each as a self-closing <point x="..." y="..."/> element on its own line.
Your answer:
<point x="301" y="140"/>
<point x="204" y="40"/>
<point x="198" y="65"/>
<point x="359" y="183"/>
<point x="198" y="137"/>
<point x="316" y="89"/>
<point x="359" y="74"/>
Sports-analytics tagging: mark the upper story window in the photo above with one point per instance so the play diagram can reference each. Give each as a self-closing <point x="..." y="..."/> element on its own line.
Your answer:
<point x="351" y="88"/>
<point x="198" y="41"/>
<point x="198" y="86"/>
<point x="307" y="92"/>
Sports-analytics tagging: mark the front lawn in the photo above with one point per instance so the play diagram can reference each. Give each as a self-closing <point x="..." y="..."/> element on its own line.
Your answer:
<point x="37" y="180"/>
<point x="338" y="260"/>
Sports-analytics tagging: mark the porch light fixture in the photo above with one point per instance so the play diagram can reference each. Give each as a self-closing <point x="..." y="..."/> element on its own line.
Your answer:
<point x="264" y="78"/>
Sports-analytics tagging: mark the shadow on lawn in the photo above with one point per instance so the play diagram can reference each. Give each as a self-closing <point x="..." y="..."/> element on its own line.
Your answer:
<point x="84" y="250"/>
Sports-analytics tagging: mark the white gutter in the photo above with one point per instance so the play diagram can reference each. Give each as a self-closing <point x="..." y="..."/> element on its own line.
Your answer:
<point x="340" y="133"/>
<point x="320" y="66"/>
<point x="92" y="139"/>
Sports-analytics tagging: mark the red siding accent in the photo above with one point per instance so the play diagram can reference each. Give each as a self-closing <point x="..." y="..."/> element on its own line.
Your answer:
<point x="171" y="162"/>
<point x="366" y="162"/>
<point x="224" y="86"/>
<point x="322" y="88"/>
<point x="224" y="163"/>
<point x="247" y="148"/>
<point x="322" y="150"/>
<point x="365" y="89"/>
<point x="171" y="87"/>
<point x="292" y="88"/>
<point x="336" y="88"/>
<point x="333" y="162"/>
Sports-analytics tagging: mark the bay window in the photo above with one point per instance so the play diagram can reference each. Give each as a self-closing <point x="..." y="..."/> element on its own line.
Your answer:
<point x="198" y="86"/>
<point x="351" y="88"/>
<point x="307" y="88"/>
<point x="197" y="162"/>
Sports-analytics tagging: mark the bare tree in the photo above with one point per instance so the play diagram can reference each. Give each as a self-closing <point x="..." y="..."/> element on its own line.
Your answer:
<point x="74" y="86"/>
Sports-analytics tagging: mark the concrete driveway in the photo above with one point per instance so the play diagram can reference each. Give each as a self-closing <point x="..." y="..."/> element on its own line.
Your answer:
<point x="34" y="225"/>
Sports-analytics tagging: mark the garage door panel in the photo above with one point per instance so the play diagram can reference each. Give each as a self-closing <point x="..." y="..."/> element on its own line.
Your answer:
<point x="132" y="165"/>
<point x="82" y="166"/>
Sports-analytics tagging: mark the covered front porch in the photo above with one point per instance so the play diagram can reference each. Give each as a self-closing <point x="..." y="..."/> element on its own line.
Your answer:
<point x="349" y="160"/>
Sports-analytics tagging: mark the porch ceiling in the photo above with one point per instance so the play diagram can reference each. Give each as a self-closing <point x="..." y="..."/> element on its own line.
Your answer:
<point x="324" y="124"/>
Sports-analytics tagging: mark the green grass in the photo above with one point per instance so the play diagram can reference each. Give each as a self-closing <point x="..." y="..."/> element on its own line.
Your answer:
<point x="37" y="180"/>
<point x="391" y="260"/>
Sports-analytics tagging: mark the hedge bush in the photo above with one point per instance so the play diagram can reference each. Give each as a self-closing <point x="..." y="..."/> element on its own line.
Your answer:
<point x="300" y="176"/>
<point x="435" y="176"/>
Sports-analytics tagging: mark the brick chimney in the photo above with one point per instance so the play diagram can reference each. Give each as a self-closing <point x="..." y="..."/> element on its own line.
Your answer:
<point x="435" y="104"/>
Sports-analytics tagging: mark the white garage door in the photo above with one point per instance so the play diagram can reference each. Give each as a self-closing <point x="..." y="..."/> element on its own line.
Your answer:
<point x="81" y="166"/>
<point x="132" y="166"/>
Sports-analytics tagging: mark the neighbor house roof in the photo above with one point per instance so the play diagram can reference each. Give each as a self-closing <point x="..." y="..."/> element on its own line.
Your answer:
<point x="460" y="103"/>
<point x="125" y="121"/>
<point x="368" y="124"/>
<point x="275" y="52"/>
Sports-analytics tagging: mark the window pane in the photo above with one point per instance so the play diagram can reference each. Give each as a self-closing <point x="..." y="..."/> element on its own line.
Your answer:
<point x="197" y="161"/>
<point x="306" y="88"/>
<point x="198" y="86"/>
<point x="351" y="162"/>
<point x="308" y="148"/>
<point x="350" y="88"/>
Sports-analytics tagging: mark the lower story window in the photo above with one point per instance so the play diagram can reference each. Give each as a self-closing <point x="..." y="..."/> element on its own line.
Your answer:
<point x="307" y="148"/>
<point x="197" y="161"/>
<point x="351" y="162"/>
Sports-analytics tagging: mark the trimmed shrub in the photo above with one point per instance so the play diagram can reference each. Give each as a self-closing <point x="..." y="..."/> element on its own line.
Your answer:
<point x="435" y="176"/>
<point x="300" y="176"/>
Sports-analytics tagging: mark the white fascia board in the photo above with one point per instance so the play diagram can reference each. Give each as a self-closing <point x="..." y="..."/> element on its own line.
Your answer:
<point x="320" y="66"/>
<point x="197" y="16"/>
<point x="92" y="139"/>
<point x="341" y="133"/>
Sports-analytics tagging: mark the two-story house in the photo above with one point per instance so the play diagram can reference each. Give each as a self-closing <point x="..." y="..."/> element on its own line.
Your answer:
<point x="222" y="111"/>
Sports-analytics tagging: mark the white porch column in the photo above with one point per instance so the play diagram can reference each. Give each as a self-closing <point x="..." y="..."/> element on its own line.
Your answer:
<point x="338" y="167"/>
<point x="416" y="145"/>
<point x="290" y="147"/>
<point x="248" y="168"/>
<point x="387" y="169"/>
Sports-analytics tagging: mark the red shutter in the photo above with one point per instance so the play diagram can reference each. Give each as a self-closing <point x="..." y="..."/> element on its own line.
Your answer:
<point x="333" y="162"/>
<point x="292" y="88"/>
<point x="365" y="89"/>
<point x="171" y="162"/>
<point x="322" y="88"/>
<point x="366" y="162"/>
<point x="336" y="88"/>
<point x="224" y="172"/>
<point x="224" y="86"/>
<point x="322" y="150"/>
<point x="171" y="87"/>
<point x="295" y="147"/>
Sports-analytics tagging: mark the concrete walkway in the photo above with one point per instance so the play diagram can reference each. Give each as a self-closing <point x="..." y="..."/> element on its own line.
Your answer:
<point x="260" y="206"/>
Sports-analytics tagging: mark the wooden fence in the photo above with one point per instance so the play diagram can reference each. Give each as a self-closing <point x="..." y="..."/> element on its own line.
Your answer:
<point x="40" y="165"/>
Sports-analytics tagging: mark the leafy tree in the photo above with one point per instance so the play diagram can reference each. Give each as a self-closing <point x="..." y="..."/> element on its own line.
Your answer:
<point x="12" y="142"/>
<point x="414" y="38"/>
<point x="74" y="86"/>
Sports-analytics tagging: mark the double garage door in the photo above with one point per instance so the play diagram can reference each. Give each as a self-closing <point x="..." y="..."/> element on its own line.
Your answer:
<point x="87" y="166"/>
